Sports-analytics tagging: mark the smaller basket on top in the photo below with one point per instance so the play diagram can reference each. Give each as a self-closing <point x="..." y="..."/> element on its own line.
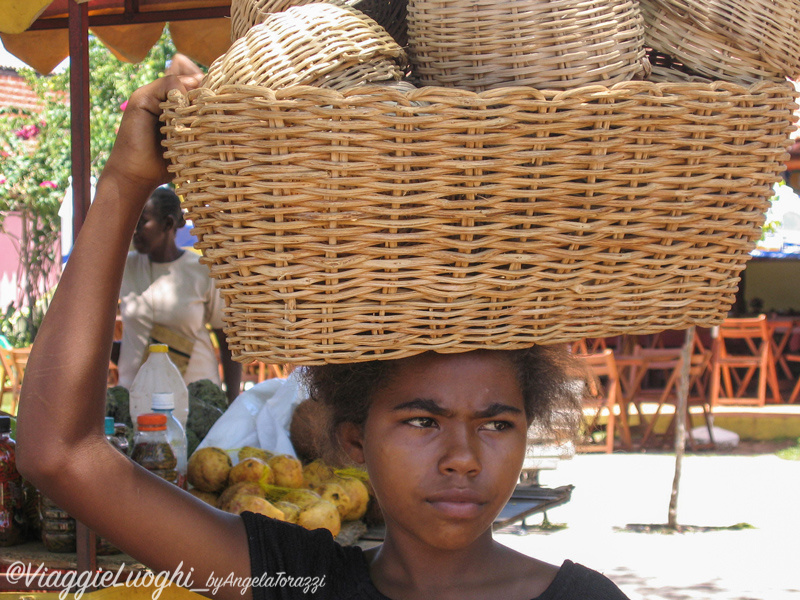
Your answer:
<point x="389" y="14"/>
<point x="743" y="41"/>
<point x="546" y="44"/>
<point x="328" y="45"/>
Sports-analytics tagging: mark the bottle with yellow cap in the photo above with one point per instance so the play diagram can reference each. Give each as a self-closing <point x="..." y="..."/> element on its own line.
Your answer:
<point x="158" y="374"/>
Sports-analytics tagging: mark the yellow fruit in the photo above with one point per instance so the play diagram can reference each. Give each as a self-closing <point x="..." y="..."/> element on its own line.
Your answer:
<point x="287" y="470"/>
<point x="302" y="498"/>
<point x="316" y="473"/>
<point x="321" y="515"/>
<point x="253" y="452"/>
<point x="255" y="504"/>
<point x="207" y="497"/>
<point x="359" y="498"/>
<point x="208" y="469"/>
<point x="335" y="494"/>
<point x="249" y="488"/>
<point x="251" y="469"/>
<point x="290" y="511"/>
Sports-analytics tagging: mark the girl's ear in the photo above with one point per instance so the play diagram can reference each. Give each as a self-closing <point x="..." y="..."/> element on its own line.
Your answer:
<point x="351" y="440"/>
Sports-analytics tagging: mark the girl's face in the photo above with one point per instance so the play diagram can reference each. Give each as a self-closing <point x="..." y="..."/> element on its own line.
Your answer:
<point x="444" y="442"/>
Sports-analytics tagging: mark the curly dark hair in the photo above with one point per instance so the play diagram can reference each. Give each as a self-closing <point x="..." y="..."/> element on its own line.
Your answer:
<point x="548" y="376"/>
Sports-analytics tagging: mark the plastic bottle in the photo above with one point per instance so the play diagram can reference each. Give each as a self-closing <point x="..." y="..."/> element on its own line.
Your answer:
<point x="158" y="374"/>
<point x="58" y="527"/>
<point x="12" y="501"/>
<point x="121" y="433"/>
<point x="151" y="448"/>
<point x="164" y="403"/>
<point x="120" y="443"/>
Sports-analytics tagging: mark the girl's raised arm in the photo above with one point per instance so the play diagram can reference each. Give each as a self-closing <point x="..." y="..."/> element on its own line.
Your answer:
<point x="62" y="449"/>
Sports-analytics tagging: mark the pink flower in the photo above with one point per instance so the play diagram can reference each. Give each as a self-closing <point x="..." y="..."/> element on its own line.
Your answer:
<point x="2" y="180"/>
<point x="123" y="106"/>
<point x="27" y="132"/>
<point x="48" y="184"/>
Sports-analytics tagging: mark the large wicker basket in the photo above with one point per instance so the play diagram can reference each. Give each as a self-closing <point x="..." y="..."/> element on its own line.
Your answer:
<point x="377" y="223"/>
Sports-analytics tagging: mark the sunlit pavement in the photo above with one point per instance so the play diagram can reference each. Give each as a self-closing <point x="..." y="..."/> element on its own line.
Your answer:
<point x="612" y="491"/>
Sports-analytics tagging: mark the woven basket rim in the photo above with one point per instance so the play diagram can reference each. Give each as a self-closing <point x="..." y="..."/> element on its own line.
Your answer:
<point x="714" y="85"/>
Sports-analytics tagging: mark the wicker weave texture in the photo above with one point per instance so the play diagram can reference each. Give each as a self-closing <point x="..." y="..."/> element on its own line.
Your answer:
<point x="327" y="45"/>
<point x="769" y="27"/>
<point x="377" y="223"/>
<point x="547" y="44"/>
<point x="389" y="14"/>
<point x="246" y="14"/>
<point x="743" y="41"/>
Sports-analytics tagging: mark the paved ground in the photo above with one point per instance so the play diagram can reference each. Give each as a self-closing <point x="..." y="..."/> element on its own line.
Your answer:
<point x="612" y="491"/>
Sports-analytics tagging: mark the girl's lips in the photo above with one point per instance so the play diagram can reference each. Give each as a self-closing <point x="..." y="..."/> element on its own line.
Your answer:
<point x="457" y="503"/>
<point x="457" y="510"/>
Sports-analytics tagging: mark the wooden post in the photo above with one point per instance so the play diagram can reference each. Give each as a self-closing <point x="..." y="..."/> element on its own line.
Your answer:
<point x="680" y="425"/>
<point x="81" y="184"/>
<point x="79" y="113"/>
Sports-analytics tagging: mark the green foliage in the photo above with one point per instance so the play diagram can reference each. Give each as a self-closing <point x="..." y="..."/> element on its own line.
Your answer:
<point x="207" y="402"/>
<point x="31" y="186"/>
<point x="792" y="453"/>
<point x="36" y="165"/>
<point x="771" y="226"/>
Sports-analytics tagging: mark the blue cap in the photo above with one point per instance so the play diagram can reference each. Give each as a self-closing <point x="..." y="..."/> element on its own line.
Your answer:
<point x="110" y="430"/>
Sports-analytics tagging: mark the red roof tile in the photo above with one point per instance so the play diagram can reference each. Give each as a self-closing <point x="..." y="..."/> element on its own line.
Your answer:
<point x="15" y="92"/>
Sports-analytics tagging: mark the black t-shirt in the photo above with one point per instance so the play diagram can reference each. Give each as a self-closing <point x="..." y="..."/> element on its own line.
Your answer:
<point x="288" y="562"/>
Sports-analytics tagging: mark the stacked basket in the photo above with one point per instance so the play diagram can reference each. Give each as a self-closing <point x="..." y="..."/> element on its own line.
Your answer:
<point x="507" y="206"/>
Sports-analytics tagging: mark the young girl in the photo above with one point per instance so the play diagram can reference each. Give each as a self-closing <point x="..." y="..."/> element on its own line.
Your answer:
<point x="442" y="436"/>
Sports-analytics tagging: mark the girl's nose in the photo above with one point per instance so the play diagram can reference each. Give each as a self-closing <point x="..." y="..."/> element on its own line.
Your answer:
<point x="460" y="453"/>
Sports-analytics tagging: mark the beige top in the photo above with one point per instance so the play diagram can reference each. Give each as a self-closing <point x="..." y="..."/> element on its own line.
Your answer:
<point x="180" y="295"/>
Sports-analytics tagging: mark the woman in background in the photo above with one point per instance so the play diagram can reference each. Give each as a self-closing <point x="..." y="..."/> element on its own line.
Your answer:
<point x="168" y="297"/>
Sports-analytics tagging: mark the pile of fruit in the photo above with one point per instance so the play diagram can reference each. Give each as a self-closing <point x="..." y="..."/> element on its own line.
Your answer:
<point x="279" y="486"/>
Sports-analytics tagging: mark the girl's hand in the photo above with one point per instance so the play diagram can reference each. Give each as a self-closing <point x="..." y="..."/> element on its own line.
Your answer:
<point x="138" y="156"/>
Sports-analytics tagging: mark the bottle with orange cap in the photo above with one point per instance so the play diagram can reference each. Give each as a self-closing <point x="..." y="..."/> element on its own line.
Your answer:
<point x="152" y="450"/>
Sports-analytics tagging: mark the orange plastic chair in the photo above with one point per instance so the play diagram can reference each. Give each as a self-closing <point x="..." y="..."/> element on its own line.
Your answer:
<point x="742" y="349"/>
<point x="669" y="361"/>
<point x="796" y="390"/>
<point x="257" y="371"/>
<point x="19" y="360"/>
<point x="8" y="377"/>
<point x="599" y="404"/>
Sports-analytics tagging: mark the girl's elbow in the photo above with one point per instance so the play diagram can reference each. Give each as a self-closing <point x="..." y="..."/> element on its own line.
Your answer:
<point x="35" y="464"/>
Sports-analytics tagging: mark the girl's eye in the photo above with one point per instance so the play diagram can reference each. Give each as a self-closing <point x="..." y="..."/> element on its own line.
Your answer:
<point x="497" y="425"/>
<point x="421" y="422"/>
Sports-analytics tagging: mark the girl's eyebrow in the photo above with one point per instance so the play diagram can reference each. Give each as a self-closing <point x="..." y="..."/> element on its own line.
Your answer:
<point x="432" y="407"/>
<point x="498" y="408"/>
<point x="425" y="404"/>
